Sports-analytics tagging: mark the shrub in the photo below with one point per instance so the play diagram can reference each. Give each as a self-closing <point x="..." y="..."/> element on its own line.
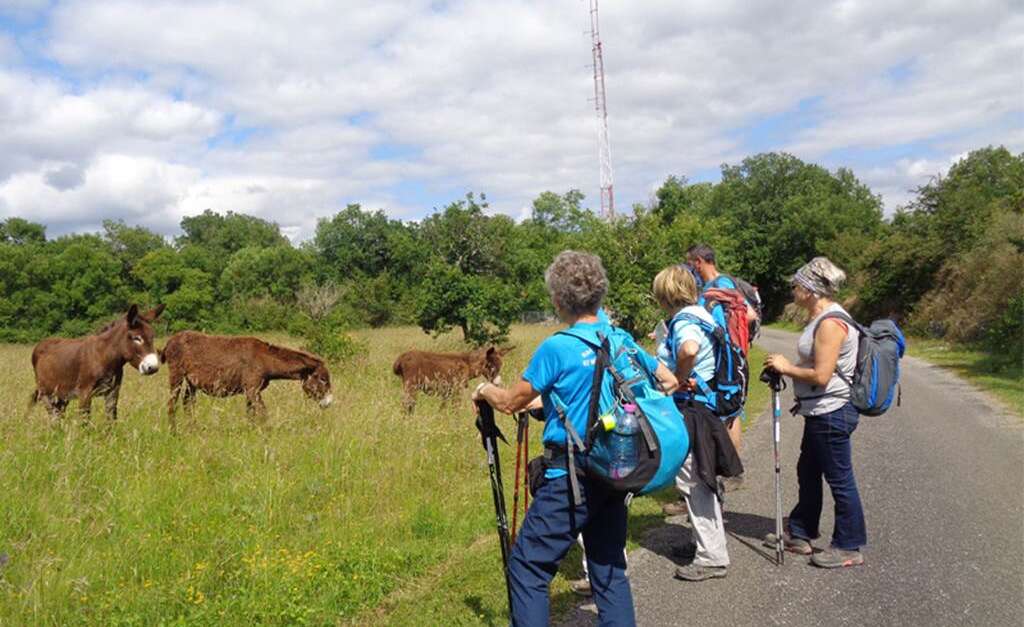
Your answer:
<point x="978" y="294"/>
<point x="333" y="344"/>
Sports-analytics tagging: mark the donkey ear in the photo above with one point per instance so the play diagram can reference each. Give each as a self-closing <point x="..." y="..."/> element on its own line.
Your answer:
<point x="507" y="349"/>
<point x="153" y="313"/>
<point x="491" y="352"/>
<point x="133" y="316"/>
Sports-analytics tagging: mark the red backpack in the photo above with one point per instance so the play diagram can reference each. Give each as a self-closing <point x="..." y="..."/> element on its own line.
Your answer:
<point x="734" y="304"/>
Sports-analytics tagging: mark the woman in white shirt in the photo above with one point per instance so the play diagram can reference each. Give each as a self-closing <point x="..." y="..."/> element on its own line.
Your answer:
<point x="827" y="352"/>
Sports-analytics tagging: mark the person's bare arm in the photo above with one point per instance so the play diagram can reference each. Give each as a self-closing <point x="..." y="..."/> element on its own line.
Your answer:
<point x="506" y="400"/>
<point x="827" y="341"/>
<point x="669" y="382"/>
<point x="685" y="360"/>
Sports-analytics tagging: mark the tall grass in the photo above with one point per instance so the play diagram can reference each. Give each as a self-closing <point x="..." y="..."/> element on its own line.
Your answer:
<point x="355" y="514"/>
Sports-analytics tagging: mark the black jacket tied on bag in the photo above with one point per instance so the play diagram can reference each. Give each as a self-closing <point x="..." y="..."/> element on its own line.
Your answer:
<point x="713" y="452"/>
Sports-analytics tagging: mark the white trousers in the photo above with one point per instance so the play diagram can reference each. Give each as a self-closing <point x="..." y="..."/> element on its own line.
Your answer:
<point x="705" y="516"/>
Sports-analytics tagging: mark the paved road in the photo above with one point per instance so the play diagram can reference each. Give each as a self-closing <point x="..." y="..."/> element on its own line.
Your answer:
<point x="942" y="481"/>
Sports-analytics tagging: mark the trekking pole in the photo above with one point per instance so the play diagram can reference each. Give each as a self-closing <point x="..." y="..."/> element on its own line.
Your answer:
<point x="489" y="434"/>
<point x="521" y="425"/>
<point x="526" y="464"/>
<point x="775" y="382"/>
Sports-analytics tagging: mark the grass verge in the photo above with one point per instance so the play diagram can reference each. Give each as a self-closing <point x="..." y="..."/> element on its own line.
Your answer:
<point x="1001" y="377"/>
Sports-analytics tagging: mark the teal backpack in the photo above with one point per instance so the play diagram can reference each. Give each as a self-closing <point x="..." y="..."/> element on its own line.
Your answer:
<point x="661" y="442"/>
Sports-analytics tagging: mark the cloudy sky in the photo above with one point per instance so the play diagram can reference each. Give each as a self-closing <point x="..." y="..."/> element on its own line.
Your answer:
<point x="152" y="110"/>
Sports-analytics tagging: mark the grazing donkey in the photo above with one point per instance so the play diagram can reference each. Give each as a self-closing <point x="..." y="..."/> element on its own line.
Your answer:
<point x="225" y="366"/>
<point x="93" y="365"/>
<point x="445" y="373"/>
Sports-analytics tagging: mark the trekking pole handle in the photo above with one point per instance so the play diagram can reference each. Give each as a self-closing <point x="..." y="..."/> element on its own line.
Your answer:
<point x="772" y="378"/>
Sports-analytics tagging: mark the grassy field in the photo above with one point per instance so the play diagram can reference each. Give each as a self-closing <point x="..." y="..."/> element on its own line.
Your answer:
<point x="356" y="514"/>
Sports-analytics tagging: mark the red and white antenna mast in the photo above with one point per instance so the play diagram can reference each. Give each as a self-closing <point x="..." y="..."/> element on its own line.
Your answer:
<point x="604" y="149"/>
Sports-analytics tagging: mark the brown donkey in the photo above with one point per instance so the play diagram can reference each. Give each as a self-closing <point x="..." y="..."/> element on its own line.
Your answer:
<point x="225" y="366"/>
<point x="445" y="373"/>
<point x="93" y="365"/>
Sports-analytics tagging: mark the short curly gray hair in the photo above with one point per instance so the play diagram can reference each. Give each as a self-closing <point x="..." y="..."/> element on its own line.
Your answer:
<point x="577" y="282"/>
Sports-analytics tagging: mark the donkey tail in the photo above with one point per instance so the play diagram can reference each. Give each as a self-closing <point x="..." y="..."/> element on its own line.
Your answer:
<point x="32" y="400"/>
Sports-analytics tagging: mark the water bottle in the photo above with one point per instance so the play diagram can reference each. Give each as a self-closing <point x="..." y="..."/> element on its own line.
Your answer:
<point x="624" y="456"/>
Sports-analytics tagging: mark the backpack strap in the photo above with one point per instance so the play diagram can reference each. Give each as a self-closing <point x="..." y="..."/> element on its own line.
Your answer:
<point x="714" y="333"/>
<point x="602" y="359"/>
<point x="845" y="317"/>
<point x="572" y="442"/>
<point x="624" y="385"/>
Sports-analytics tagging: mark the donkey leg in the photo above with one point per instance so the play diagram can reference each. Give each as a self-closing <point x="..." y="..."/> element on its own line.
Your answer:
<point x="189" y="400"/>
<point x="177" y="380"/>
<point x="110" y="402"/>
<point x="255" y="408"/>
<point x="85" y="404"/>
<point x="54" y="406"/>
<point x="409" y="399"/>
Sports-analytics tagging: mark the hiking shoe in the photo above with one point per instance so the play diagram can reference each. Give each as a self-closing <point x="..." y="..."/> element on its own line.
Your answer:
<point x="789" y="543"/>
<point x="581" y="587"/>
<point x="837" y="558"/>
<point x="675" y="508"/>
<point x="695" y="572"/>
<point x="685" y="551"/>
<point x="731" y="484"/>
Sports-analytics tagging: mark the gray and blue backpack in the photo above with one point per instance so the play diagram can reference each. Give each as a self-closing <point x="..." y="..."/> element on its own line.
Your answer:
<point x="876" y="378"/>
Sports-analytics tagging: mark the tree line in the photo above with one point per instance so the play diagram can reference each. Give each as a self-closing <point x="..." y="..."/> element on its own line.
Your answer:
<point x="949" y="264"/>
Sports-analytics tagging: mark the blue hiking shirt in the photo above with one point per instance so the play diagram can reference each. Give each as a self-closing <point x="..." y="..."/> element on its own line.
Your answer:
<point x="721" y="282"/>
<point x="565" y="365"/>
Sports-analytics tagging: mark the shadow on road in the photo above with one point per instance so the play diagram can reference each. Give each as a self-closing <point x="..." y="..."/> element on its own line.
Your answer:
<point x="750" y="530"/>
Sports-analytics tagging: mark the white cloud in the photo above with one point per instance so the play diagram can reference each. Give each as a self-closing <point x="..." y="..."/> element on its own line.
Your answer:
<point x="279" y="109"/>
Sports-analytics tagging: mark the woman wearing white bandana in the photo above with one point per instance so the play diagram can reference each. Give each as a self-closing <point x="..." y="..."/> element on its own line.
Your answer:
<point x="827" y="352"/>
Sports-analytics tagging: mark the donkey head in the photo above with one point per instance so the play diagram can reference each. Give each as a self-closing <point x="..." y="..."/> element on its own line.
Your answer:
<point x="488" y="362"/>
<point x="316" y="383"/>
<point x="135" y="339"/>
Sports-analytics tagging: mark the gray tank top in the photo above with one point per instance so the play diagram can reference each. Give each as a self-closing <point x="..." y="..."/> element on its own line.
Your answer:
<point x="837" y="392"/>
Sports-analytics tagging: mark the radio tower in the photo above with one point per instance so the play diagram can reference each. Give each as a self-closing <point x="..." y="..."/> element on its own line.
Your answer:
<point x="604" y="150"/>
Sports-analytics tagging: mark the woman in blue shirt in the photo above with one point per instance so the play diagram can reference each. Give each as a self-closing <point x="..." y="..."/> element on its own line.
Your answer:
<point x="689" y="351"/>
<point x="564" y="366"/>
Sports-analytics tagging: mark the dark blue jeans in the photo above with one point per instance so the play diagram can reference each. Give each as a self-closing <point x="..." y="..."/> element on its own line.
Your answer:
<point x="825" y="450"/>
<point x="550" y="530"/>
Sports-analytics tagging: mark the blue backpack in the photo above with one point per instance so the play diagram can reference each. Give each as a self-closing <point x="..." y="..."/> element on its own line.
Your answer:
<point x="726" y="393"/>
<point x="662" y="441"/>
<point x="876" y="377"/>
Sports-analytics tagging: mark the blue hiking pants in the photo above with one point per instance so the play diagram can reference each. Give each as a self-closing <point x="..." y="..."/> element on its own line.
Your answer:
<point x="825" y="450"/>
<point x="550" y="530"/>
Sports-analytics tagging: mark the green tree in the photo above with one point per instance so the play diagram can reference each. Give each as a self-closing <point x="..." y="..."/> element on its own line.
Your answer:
<point x="482" y="307"/>
<point x="21" y="231"/>
<point x="563" y="213"/>
<point x="366" y="242"/>
<point x="948" y="218"/>
<point x="167" y="277"/>
<point x="130" y="244"/>
<point x="275" y="272"/>
<point x="463" y="237"/>
<point x="676" y="197"/>
<point x="224" y="235"/>
<point x="779" y="212"/>
<point x="84" y="277"/>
